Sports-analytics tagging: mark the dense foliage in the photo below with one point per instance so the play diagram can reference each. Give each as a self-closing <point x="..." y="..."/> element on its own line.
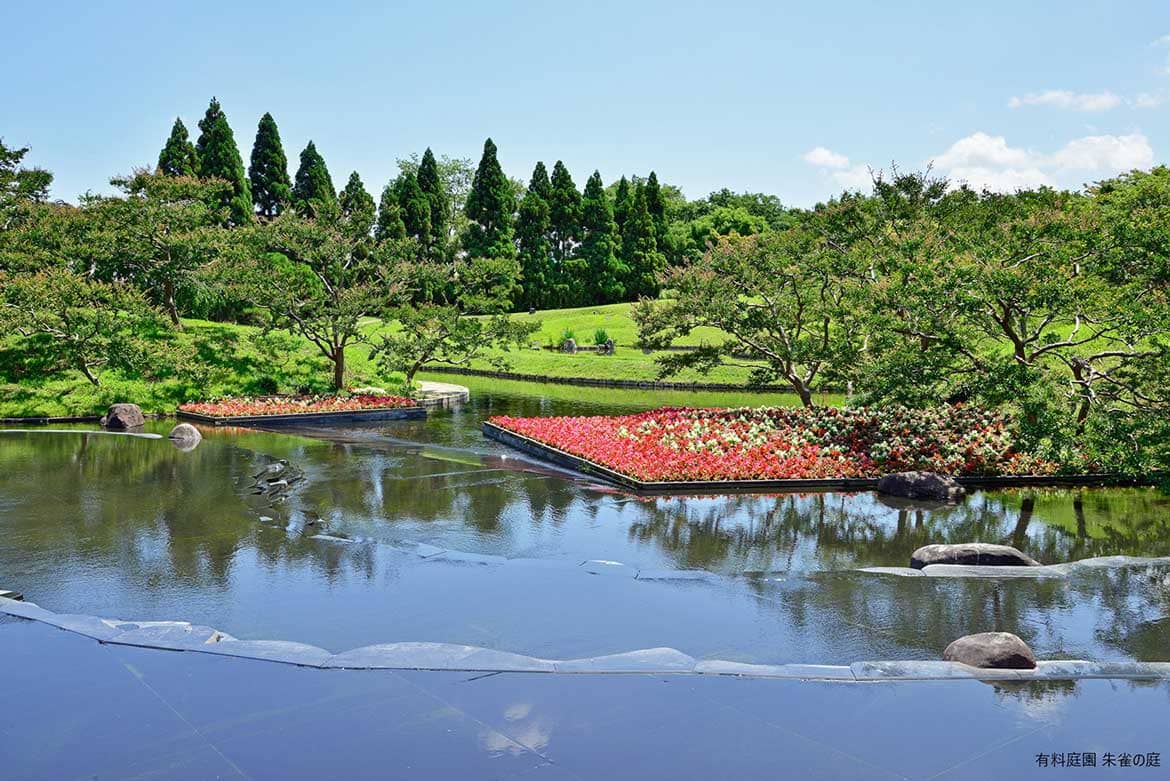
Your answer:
<point x="1051" y="306"/>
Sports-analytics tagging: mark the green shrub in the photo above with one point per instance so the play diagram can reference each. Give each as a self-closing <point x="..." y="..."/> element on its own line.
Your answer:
<point x="600" y="336"/>
<point x="565" y="336"/>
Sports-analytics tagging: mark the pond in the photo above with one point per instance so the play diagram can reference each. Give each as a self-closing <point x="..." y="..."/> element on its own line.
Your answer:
<point x="423" y="530"/>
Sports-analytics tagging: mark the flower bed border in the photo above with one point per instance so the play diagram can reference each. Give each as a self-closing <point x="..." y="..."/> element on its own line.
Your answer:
<point x="576" y="463"/>
<point x="340" y="416"/>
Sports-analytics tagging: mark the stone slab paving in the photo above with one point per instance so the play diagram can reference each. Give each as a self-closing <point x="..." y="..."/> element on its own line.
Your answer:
<point x="77" y="708"/>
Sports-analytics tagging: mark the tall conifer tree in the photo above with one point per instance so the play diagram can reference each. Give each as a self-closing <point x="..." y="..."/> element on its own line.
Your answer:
<point x="640" y="249"/>
<point x="599" y="244"/>
<point x="219" y="157"/>
<point x="621" y="203"/>
<point x="177" y="157"/>
<point x="540" y="183"/>
<point x="532" y="235"/>
<point x="268" y="172"/>
<point x="313" y="183"/>
<point x="430" y="181"/>
<point x="564" y="211"/>
<point x="389" y="226"/>
<point x="415" y="208"/>
<point x="657" y="208"/>
<point x="357" y="207"/>
<point x="489" y="208"/>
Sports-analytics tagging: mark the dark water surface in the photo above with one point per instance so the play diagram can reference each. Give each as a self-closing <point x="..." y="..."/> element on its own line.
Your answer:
<point x="136" y="529"/>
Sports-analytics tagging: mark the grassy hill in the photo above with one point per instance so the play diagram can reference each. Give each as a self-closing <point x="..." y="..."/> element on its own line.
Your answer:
<point x="231" y="359"/>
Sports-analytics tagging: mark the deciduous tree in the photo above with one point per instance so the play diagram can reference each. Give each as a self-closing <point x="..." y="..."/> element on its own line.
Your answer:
<point x="317" y="280"/>
<point x="460" y="317"/>
<point x="790" y="304"/>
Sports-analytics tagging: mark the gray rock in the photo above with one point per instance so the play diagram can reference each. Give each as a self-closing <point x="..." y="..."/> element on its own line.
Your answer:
<point x="570" y="346"/>
<point x="123" y="417"/>
<point x="975" y="553"/>
<point x="992" y="650"/>
<point x="185" y="437"/>
<point x="921" y="485"/>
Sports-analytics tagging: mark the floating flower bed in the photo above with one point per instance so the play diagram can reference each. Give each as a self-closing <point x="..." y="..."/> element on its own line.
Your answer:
<point x="294" y="405"/>
<point x="781" y="443"/>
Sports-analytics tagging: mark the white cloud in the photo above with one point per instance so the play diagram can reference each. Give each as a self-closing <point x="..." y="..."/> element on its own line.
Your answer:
<point x="838" y="168"/>
<point x="985" y="161"/>
<point x="1066" y="99"/>
<point x="1105" y="153"/>
<point x="980" y="150"/>
<point x="825" y="158"/>
<point x="1002" y="180"/>
<point x="857" y="177"/>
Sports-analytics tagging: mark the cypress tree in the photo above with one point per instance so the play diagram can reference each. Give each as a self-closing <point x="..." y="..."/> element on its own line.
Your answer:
<point x="415" y="208"/>
<point x="532" y="234"/>
<point x="621" y="203"/>
<point x="564" y="211"/>
<point x="540" y="183"/>
<point x="599" y="243"/>
<point x="312" y="182"/>
<point x="430" y="181"/>
<point x="268" y="172"/>
<point x="389" y="226"/>
<point x="657" y="207"/>
<point x="219" y="157"/>
<point x="357" y="206"/>
<point x="177" y="157"/>
<point x="489" y="209"/>
<point x="640" y="249"/>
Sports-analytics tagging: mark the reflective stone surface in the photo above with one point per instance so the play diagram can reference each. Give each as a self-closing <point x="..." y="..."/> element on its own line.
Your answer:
<point x="76" y="709"/>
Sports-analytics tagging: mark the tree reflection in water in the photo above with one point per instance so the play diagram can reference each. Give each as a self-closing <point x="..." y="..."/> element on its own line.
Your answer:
<point x="155" y="529"/>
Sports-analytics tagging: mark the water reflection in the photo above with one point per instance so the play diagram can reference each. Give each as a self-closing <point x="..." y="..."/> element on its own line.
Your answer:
<point x="137" y="529"/>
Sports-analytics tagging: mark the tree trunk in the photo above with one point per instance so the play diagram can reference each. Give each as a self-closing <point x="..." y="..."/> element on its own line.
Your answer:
<point x="803" y="391"/>
<point x="169" y="301"/>
<point x="88" y="374"/>
<point x="338" y="368"/>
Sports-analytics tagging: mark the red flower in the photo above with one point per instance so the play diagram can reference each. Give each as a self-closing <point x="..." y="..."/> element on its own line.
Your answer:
<point x="293" y="405"/>
<point x="784" y="443"/>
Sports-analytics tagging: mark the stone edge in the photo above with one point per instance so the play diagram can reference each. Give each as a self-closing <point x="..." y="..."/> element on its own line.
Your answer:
<point x="183" y="636"/>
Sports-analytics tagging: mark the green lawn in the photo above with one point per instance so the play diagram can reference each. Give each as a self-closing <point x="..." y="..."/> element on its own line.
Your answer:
<point x="627" y="362"/>
<point x="239" y="360"/>
<point x="230" y="360"/>
<point x="629" y="398"/>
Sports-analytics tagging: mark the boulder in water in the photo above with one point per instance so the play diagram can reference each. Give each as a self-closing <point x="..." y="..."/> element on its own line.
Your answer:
<point x="124" y="417"/>
<point x="991" y="650"/>
<point x="974" y="553"/>
<point x="921" y="485"/>
<point x="185" y="436"/>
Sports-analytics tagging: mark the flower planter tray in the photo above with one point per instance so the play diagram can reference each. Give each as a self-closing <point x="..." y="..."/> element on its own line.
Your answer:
<point x="309" y="418"/>
<point x="561" y="458"/>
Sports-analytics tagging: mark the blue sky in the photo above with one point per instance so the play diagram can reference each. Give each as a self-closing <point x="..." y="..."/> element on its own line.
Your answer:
<point x="795" y="99"/>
